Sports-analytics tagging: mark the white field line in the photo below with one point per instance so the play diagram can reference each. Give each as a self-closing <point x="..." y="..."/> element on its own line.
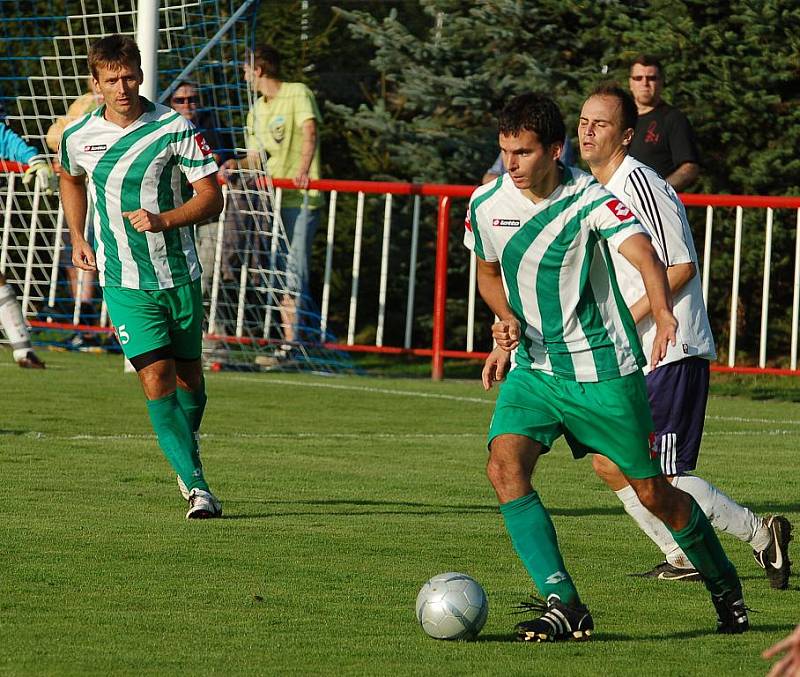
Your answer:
<point x="33" y="435"/>
<point x="459" y="398"/>
<point x="741" y="419"/>
<point x="367" y="389"/>
<point x="237" y="435"/>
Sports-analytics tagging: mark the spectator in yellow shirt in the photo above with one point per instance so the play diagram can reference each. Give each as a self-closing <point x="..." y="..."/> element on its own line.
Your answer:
<point x="283" y="123"/>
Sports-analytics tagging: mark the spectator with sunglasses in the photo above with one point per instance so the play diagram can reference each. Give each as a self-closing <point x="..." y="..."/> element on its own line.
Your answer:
<point x="663" y="139"/>
<point x="185" y="100"/>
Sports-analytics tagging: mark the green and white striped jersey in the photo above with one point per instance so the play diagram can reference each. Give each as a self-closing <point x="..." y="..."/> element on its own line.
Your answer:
<point x="140" y="166"/>
<point x="558" y="275"/>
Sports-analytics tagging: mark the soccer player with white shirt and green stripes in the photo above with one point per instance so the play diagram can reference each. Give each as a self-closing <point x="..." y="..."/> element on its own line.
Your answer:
<point x="542" y="234"/>
<point x="151" y="176"/>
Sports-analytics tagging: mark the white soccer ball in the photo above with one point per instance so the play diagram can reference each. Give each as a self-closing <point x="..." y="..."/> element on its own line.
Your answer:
<point x="452" y="606"/>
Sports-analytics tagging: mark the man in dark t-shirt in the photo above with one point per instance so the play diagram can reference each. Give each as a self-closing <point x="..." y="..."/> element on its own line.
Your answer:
<point x="663" y="139"/>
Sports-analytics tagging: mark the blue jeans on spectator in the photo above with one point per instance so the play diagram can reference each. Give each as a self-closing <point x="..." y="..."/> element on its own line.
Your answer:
<point x="300" y="225"/>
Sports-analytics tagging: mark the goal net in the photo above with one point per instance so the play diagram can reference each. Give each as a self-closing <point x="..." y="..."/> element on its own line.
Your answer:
<point x="257" y="316"/>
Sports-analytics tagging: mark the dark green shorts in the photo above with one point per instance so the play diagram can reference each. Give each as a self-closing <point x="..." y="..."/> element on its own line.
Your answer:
<point x="148" y="319"/>
<point x="609" y="417"/>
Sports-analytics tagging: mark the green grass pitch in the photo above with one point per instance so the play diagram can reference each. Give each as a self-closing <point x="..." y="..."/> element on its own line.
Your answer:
<point x="342" y="496"/>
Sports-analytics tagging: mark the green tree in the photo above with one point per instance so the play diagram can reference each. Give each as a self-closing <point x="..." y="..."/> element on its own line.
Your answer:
<point x="733" y="68"/>
<point x="442" y="81"/>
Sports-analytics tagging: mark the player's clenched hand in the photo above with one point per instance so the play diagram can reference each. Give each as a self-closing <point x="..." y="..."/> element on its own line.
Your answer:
<point x="506" y="333"/>
<point x="495" y="367"/>
<point x="666" y="326"/>
<point x="144" y="221"/>
<point x="83" y="255"/>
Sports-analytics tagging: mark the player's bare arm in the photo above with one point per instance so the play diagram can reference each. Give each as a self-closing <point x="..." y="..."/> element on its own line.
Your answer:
<point x="205" y="204"/>
<point x="638" y="250"/>
<point x="74" y="203"/>
<point x="684" y="176"/>
<point x="506" y="330"/>
<point x="678" y="275"/>
<point x="495" y="367"/>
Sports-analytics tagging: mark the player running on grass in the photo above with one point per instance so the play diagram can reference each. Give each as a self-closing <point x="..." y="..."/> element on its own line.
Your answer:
<point x="541" y="234"/>
<point x="138" y="156"/>
<point x="678" y="388"/>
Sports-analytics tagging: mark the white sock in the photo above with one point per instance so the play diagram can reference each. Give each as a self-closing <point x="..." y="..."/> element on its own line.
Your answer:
<point x="13" y="323"/>
<point x="724" y="513"/>
<point x="654" y="528"/>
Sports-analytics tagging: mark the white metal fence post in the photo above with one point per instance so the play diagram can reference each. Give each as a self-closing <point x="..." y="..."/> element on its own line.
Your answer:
<point x="351" y="322"/>
<point x="762" y="346"/>
<point x="737" y="261"/>
<point x="412" y="272"/>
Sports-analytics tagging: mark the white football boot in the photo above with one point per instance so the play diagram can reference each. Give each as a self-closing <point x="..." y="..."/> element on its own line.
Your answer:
<point x="203" y="505"/>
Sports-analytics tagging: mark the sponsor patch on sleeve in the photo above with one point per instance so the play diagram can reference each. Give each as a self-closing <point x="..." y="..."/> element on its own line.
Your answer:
<point x="619" y="210"/>
<point x="467" y="222"/>
<point x="202" y="144"/>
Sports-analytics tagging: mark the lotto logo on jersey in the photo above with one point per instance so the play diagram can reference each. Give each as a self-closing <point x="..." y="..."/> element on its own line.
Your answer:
<point x="202" y="144"/>
<point x="94" y="148"/>
<point x="467" y="222"/>
<point x="619" y="210"/>
<point x="506" y="223"/>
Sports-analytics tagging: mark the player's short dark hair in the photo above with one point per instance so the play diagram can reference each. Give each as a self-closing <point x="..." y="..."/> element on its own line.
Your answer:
<point x="627" y="105"/>
<point x="114" y="51"/>
<point x="533" y="112"/>
<point x="648" y="60"/>
<point x="268" y="59"/>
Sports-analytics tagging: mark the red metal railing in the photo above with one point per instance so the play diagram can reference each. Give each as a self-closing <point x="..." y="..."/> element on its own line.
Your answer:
<point x="445" y="194"/>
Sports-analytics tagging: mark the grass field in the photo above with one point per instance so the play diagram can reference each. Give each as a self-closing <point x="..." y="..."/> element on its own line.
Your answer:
<point x="342" y="496"/>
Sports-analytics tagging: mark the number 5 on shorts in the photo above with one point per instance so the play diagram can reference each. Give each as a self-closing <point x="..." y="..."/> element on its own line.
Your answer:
<point x="123" y="335"/>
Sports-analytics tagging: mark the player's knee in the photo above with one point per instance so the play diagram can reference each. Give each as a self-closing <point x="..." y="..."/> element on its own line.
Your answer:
<point x="502" y="469"/>
<point x="496" y="470"/>
<point x="606" y="469"/>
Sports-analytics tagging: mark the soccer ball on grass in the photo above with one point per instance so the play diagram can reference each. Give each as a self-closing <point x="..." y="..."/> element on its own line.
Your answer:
<point x="452" y="606"/>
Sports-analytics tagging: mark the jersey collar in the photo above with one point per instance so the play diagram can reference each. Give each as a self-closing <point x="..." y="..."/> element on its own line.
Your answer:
<point x="147" y="107"/>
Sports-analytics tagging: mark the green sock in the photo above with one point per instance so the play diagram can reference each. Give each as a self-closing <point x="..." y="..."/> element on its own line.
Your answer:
<point x="176" y="440"/>
<point x="193" y="403"/>
<point x="535" y="541"/>
<point x="701" y="545"/>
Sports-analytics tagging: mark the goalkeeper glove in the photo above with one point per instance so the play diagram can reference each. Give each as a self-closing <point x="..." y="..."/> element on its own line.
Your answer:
<point x="39" y="167"/>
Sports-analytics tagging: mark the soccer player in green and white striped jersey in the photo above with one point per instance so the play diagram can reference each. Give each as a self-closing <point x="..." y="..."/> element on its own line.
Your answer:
<point x="139" y="156"/>
<point x="541" y="234"/>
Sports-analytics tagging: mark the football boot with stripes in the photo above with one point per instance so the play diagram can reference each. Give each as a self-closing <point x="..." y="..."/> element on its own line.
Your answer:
<point x="774" y="559"/>
<point x="731" y="612"/>
<point x="558" y="622"/>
